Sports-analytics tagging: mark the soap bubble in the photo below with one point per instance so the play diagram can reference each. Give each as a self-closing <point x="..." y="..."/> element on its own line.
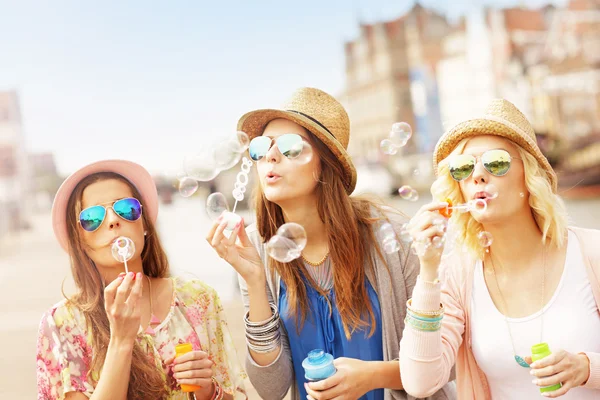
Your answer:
<point x="227" y="153"/>
<point x="491" y="190"/>
<point x="123" y="249"/>
<point x="416" y="172"/>
<point x="485" y="238"/>
<point x="288" y="243"/>
<point x="202" y="167"/>
<point x="408" y="193"/>
<point x="216" y="204"/>
<point x="404" y="234"/>
<point x="479" y="206"/>
<point x="388" y="238"/>
<point x="187" y="186"/>
<point x="400" y="134"/>
<point x="388" y="147"/>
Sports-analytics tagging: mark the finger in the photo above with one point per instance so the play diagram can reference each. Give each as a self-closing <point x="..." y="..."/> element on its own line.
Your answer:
<point x="192" y="355"/>
<point x="552" y="380"/>
<point x="552" y="359"/>
<point x="169" y="360"/>
<point x="218" y="234"/>
<point x="243" y="235"/>
<point x="205" y="373"/>
<point x="136" y="291"/>
<point x="197" y="382"/>
<point x="234" y="234"/>
<point x="528" y="360"/>
<point x="124" y="289"/>
<point x="110" y="291"/>
<point x="559" y="392"/>
<point x="193" y="365"/>
<point x="325" y="384"/>
<point x="428" y="233"/>
<point x="324" y="394"/>
<point x="434" y="206"/>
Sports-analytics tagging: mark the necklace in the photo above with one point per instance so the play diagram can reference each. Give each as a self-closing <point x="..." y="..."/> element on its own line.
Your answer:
<point x="318" y="263"/>
<point x="520" y="360"/>
<point x="153" y="318"/>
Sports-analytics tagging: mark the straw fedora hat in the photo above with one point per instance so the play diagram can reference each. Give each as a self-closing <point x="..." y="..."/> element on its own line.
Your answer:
<point x="319" y="113"/>
<point x="134" y="173"/>
<point x="501" y="118"/>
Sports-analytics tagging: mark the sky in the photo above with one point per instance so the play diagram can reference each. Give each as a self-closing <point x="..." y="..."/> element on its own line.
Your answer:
<point x="154" y="82"/>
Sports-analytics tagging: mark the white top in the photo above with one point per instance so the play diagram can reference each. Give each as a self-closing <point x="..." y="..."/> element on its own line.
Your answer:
<point x="571" y="322"/>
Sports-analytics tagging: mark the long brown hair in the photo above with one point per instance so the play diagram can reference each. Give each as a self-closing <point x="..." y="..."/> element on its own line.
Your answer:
<point x="348" y="221"/>
<point x="145" y="380"/>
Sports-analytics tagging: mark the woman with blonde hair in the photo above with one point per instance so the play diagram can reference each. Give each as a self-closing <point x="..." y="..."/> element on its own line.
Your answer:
<point x="345" y="295"/>
<point x="538" y="281"/>
<point x="116" y="337"/>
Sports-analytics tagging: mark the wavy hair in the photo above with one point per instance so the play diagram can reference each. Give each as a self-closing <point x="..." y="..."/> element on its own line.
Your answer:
<point x="547" y="208"/>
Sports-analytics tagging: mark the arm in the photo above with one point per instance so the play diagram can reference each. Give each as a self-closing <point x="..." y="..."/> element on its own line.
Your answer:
<point x="427" y="358"/>
<point x="271" y="380"/>
<point x="385" y="374"/>
<point x="593" y="381"/>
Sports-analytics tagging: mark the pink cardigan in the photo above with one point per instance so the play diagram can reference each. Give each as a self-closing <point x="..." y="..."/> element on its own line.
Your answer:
<point x="426" y="358"/>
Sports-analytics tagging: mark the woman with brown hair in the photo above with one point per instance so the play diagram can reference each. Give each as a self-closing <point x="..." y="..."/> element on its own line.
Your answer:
<point x="116" y="337"/>
<point x="345" y="295"/>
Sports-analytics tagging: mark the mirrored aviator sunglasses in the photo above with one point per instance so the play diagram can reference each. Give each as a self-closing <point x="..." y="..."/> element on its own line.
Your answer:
<point x="496" y="162"/>
<point x="92" y="217"/>
<point x="289" y="144"/>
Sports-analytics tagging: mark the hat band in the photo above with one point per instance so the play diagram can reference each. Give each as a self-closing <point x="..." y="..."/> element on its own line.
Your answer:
<point x="313" y="120"/>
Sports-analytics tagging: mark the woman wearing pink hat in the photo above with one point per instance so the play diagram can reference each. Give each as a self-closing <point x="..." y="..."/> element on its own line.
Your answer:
<point x="535" y="290"/>
<point x="116" y="337"/>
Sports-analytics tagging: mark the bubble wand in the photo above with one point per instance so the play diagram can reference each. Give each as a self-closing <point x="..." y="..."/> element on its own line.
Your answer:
<point x="122" y="250"/>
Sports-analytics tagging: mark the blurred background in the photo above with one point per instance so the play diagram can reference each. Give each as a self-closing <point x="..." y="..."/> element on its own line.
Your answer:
<point x="153" y="83"/>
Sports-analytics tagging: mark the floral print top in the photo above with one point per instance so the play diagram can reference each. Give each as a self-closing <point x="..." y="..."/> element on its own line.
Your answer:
<point x="64" y="347"/>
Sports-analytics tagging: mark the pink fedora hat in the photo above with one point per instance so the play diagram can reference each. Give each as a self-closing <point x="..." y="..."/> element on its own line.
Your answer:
<point x="131" y="171"/>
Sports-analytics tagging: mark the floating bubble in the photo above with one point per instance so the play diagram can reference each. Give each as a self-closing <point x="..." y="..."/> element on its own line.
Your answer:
<point x="405" y="236"/>
<point x="405" y="192"/>
<point x="216" y="204"/>
<point x="123" y="249"/>
<point x="202" y="166"/>
<point x="288" y="243"/>
<point x="522" y="195"/>
<point x="479" y="206"/>
<point x="438" y="242"/>
<point x="416" y="172"/>
<point x="227" y="153"/>
<point x="413" y="196"/>
<point x="187" y="186"/>
<point x="243" y="140"/>
<point x="301" y="152"/>
<point x="388" y="147"/>
<point x="391" y="246"/>
<point x="400" y="134"/>
<point x="491" y="190"/>
<point x="485" y="238"/>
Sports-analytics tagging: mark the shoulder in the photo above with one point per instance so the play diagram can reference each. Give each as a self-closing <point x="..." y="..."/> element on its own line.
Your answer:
<point x="194" y="291"/>
<point x="63" y="314"/>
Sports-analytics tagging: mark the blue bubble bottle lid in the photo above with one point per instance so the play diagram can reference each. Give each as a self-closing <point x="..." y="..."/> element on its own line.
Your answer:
<point x="318" y="365"/>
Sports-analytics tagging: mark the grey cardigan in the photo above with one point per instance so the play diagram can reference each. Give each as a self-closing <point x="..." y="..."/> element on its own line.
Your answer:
<point x="274" y="380"/>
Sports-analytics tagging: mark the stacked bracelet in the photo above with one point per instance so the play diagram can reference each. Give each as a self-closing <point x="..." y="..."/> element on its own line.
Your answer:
<point x="219" y="393"/>
<point x="264" y="336"/>
<point x="428" y="321"/>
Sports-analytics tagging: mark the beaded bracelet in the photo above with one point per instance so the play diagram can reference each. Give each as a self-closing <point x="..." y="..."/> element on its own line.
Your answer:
<point x="435" y="313"/>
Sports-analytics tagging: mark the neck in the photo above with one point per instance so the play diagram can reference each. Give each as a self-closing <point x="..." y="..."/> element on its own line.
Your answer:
<point x="517" y="241"/>
<point x="304" y="212"/>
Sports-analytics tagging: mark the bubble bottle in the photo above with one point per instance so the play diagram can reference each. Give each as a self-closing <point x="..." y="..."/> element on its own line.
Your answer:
<point x="539" y="351"/>
<point x="180" y="350"/>
<point x="318" y="365"/>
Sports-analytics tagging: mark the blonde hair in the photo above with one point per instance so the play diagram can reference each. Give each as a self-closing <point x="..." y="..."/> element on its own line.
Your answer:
<point x="547" y="208"/>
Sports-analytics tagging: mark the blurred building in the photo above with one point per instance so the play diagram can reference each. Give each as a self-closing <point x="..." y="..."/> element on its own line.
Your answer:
<point x="391" y="77"/>
<point x="13" y="166"/>
<point x="44" y="180"/>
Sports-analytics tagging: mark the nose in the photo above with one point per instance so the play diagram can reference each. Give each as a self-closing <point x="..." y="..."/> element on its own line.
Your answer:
<point x="112" y="219"/>
<point x="479" y="173"/>
<point x="273" y="154"/>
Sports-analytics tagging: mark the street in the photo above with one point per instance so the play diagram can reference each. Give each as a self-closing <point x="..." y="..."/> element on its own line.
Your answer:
<point x="33" y="267"/>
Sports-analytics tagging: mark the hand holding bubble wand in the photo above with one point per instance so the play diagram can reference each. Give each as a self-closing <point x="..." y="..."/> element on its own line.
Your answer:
<point x="122" y="250"/>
